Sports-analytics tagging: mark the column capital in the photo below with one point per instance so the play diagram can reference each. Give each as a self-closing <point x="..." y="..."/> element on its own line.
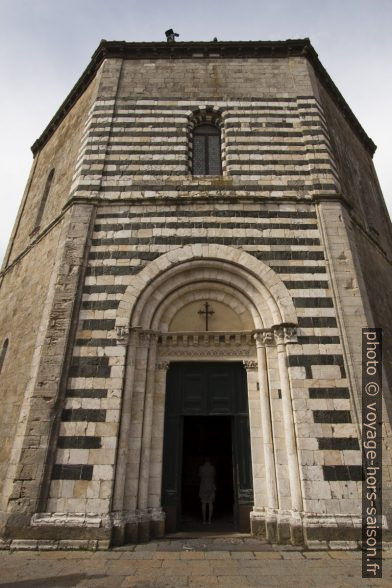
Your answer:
<point x="263" y="337"/>
<point x="146" y="338"/>
<point x="250" y="364"/>
<point x="122" y="332"/>
<point x="285" y="333"/>
<point x="162" y="365"/>
<point x="142" y="336"/>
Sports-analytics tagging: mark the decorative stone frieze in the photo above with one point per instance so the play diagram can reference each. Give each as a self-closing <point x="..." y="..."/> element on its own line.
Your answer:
<point x="204" y="353"/>
<point x="206" y="345"/>
<point x="210" y="339"/>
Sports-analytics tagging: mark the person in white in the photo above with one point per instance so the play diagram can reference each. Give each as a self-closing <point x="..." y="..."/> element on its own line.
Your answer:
<point x="207" y="489"/>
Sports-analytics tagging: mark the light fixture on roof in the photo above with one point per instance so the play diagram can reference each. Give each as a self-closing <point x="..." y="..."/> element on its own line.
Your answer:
<point x="171" y="36"/>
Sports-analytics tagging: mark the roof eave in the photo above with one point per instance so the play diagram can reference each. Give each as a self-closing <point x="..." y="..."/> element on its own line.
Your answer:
<point x="181" y="50"/>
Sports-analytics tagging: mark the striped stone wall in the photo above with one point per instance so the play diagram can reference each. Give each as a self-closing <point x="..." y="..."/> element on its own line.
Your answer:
<point x="285" y="236"/>
<point x="271" y="147"/>
<point x="124" y="136"/>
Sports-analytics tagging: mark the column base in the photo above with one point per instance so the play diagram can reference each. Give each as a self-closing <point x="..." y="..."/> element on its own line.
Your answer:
<point x="56" y="531"/>
<point x="139" y="527"/>
<point x="84" y="531"/>
<point x="93" y="531"/>
<point x="308" y="529"/>
<point x="320" y="527"/>
<point x="277" y="527"/>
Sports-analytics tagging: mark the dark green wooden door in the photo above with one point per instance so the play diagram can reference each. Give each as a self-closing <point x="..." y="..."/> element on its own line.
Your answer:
<point x="206" y="389"/>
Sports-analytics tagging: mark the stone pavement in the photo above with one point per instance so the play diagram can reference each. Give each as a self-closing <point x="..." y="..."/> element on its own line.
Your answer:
<point x="200" y="562"/>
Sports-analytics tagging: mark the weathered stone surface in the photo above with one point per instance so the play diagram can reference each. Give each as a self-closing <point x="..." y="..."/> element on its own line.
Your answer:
<point x="199" y="567"/>
<point x="104" y="296"/>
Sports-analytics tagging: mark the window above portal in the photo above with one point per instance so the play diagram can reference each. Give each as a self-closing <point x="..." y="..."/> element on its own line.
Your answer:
<point x="206" y="150"/>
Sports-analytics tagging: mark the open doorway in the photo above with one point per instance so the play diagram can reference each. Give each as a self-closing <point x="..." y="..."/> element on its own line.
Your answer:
<point x="206" y="415"/>
<point x="207" y="437"/>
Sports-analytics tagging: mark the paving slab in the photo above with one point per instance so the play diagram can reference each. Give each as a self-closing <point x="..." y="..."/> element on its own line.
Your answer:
<point x="189" y="563"/>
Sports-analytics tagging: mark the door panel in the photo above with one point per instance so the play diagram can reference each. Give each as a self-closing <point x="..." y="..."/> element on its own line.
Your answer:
<point x="244" y="467"/>
<point x="206" y="389"/>
<point x="220" y="393"/>
<point x="192" y="396"/>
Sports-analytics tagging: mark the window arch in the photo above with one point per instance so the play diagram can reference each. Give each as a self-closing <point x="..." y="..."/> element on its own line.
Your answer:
<point x="3" y="353"/>
<point x="44" y="199"/>
<point x="206" y="150"/>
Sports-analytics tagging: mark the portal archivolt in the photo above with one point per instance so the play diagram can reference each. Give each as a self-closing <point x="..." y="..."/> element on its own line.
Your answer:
<point x="157" y="321"/>
<point x="224" y="269"/>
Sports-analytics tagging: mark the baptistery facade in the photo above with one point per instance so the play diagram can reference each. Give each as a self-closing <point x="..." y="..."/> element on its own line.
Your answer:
<point x="201" y="240"/>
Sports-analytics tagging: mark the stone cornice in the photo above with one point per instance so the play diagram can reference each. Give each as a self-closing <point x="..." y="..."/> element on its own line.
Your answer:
<point x="77" y="201"/>
<point x="218" y="50"/>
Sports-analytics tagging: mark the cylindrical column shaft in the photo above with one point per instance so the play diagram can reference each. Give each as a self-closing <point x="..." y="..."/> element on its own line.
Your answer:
<point x="144" y="470"/>
<point x="288" y="421"/>
<point x="122" y="453"/>
<point x="269" y="458"/>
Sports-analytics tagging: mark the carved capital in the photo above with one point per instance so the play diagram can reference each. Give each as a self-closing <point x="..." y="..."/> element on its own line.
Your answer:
<point x="250" y="364"/>
<point x="147" y="338"/>
<point x="162" y="365"/>
<point x="285" y="334"/>
<point x="264" y="337"/>
<point x="122" y="333"/>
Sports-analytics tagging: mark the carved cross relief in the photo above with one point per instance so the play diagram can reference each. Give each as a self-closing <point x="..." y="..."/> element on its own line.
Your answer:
<point x="206" y="311"/>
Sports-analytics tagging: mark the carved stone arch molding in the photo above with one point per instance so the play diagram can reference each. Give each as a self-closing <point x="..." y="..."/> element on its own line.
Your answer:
<point x="205" y="114"/>
<point x="256" y="282"/>
<point x="217" y="275"/>
<point x="212" y="291"/>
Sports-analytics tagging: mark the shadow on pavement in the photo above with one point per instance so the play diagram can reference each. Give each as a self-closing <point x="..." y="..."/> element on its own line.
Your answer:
<point x="69" y="581"/>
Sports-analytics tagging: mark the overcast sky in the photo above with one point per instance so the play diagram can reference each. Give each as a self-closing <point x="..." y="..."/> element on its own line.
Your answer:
<point x="46" y="44"/>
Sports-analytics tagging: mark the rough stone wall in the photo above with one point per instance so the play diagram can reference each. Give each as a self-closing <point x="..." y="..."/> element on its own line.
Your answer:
<point x="277" y="157"/>
<point x="377" y="274"/>
<point x="60" y="153"/>
<point x="25" y="296"/>
<point x="274" y="147"/>
<point x="22" y="299"/>
<point x="357" y="176"/>
<point x="24" y="485"/>
<point x="202" y="77"/>
<point x="369" y="227"/>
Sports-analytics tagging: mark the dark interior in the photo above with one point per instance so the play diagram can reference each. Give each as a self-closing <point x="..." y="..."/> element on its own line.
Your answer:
<point x="207" y="436"/>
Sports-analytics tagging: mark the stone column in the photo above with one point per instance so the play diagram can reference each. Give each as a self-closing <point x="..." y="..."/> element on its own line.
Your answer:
<point x="157" y="527"/>
<point x="145" y="450"/>
<point x="285" y="335"/>
<point x="122" y="451"/>
<point x="265" y="407"/>
<point x="125" y="516"/>
<point x="263" y="517"/>
<point x="120" y="513"/>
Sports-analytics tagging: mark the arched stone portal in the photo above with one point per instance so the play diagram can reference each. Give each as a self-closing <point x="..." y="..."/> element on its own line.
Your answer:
<point x="255" y="319"/>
